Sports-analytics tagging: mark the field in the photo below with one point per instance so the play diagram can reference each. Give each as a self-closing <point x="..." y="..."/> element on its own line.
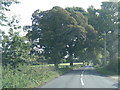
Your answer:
<point x="61" y="64"/>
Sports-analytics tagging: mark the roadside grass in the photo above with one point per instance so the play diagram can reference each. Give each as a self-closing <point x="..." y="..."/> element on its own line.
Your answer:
<point x="27" y="77"/>
<point x="0" y="76"/>
<point x="105" y="71"/>
<point x="31" y="76"/>
<point x="109" y="73"/>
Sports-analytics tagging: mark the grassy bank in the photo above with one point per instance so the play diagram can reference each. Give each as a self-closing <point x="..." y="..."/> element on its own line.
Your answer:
<point x="108" y="73"/>
<point x="105" y="71"/>
<point x="32" y="76"/>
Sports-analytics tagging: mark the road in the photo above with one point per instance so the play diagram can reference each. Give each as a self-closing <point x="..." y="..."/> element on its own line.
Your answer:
<point x="85" y="77"/>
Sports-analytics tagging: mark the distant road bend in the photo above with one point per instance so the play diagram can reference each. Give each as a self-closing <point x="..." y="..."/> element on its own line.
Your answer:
<point x="85" y="77"/>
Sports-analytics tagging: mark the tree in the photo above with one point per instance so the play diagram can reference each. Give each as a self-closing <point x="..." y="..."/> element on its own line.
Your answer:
<point x="3" y="19"/>
<point x="4" y="4"/>
<point x="76" y="9"/>
<point x="105" y="20"/>
<point x="15" y="49"/>
<point x="77" y="46"/>
<point x="57" y="32"/>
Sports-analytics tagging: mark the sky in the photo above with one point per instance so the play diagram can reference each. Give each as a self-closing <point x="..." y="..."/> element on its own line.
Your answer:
<point x="25" y="9"/>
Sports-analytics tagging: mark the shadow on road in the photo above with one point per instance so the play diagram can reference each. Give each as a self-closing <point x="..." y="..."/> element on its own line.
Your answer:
<point x="116" y="85"/>
<point x="86" y="72"/>
<point x="85" y="75"/>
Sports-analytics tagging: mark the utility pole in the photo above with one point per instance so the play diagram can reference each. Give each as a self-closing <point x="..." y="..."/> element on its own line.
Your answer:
<point x="104" y="48"/>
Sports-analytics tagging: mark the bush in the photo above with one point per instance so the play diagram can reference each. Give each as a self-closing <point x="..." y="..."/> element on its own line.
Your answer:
<point x="113" y="66"/>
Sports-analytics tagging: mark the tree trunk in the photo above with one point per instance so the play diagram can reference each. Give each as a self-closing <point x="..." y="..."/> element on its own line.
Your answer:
<point x="84" y="63"/>
<point x="111" y="56"/>
<point x="71" y="60"/>
<point x="71" y="63"/>
<point x="56" y="65"/>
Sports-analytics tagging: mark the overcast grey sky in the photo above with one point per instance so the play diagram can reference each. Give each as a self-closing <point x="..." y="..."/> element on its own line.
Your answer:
<point x="27" y="7"/>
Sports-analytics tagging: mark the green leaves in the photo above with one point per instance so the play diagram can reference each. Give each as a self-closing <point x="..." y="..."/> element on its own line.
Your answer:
<point x="105" y="20"/>
<point x="4" y="4"/>
<point x="58" y="28"/>
<point x="15" y="49"/>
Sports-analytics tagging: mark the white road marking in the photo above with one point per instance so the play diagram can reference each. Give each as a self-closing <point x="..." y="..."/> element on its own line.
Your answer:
<point x="82" y="81"/>
<point x="82" y="72"/>
<point x="81" y="75"/>
<point x="82" y="78"/>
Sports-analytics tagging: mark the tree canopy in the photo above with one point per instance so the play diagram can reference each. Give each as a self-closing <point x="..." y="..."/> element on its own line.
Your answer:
<point x="60" y="32"/>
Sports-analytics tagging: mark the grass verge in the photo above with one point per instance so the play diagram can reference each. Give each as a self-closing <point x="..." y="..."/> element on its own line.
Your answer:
<point x="105" y="71"/>
<point x="31" y="77"/>
<point x="109" y="73"/>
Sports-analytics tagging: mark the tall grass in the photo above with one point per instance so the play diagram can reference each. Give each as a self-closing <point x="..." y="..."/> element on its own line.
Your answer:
<point x="30" y="77"/>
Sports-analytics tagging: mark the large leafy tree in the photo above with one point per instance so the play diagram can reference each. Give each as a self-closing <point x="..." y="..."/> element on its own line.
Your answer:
<point x="59" y="32"/>
<point x="49" y="29"/>
<point x="76" y="9"/>
<point x="104" y="20"/>
<point x="77" y="47"/>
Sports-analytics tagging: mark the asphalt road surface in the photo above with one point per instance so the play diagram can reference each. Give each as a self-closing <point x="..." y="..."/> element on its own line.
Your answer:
<point x="85" y="77"/>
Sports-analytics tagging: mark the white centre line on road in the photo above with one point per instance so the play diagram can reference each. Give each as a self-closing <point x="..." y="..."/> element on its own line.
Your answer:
<point x="82" y="81"/>
<point x="81" y="75"/>
<point x="82" y="78"/>
<point x="83" y="71"/>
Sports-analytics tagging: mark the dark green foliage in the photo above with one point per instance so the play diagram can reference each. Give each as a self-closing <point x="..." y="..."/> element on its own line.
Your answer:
<point x="60" y="32"/>
<point x="76" y="9"/>
<point x="15" y="49"/>
<point x="105" y="20"/>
